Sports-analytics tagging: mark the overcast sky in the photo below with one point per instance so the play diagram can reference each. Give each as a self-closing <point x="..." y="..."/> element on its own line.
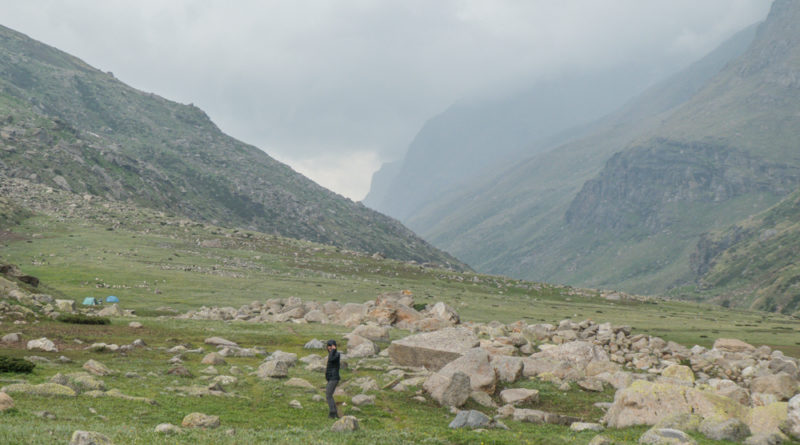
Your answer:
<point x="334" y="88"/>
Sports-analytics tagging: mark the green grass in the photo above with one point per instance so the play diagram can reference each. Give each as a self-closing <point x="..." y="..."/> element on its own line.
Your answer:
<point x="150" y="261"/>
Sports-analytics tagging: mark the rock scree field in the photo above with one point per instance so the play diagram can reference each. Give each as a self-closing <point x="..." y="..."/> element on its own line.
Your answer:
<point x="213" y="341"/>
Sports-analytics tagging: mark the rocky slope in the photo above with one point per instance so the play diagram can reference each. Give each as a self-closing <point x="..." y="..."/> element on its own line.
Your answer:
<point x="68" y="125"/>
<point x="512" y="221"/>
<point x="455" y="147"/>
<point x="729" y="152"/>
<point x="752" y="263"/>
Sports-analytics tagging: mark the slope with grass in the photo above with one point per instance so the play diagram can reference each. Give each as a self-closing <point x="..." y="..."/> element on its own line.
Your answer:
<point x="512" y="221"/>
<point x="70" y="126"/>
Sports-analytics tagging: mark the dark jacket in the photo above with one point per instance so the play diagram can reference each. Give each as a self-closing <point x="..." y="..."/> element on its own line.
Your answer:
<point x="332" y="369"/>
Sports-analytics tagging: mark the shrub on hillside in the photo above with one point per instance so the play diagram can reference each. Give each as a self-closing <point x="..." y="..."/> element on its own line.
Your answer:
<point x="10" y="364"/>
<point x="82" y="319"/>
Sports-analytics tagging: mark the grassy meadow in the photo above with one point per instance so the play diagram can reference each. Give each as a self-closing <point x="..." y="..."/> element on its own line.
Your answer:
<point x="156" y="264"/>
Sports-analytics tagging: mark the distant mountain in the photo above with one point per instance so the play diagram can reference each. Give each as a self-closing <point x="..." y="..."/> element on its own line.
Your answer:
<point x="753" y="263"/>
<point x="475" y="134"/>
<point x="68" y="125"/>
<point x="730" y="152"/>
<point x="513" y="220"/>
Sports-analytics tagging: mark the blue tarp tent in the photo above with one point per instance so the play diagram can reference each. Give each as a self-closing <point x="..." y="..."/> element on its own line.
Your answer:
<point x="90" y="301"/>
<point x="112" y="299"/>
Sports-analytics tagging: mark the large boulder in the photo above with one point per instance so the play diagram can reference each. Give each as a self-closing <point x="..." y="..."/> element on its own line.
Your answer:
<point x="578" y="353"/>
<point x="782" y="385"/>
<point x="508" y="369"/>
<point x="443" y="312"/>
<point x="433" y="350"/>
<point x="65" y="305"/>
<point x="768" y="419"/>
<point x="666" y="436"/>
<point x="733" y="430"/>
<point x="111" y="311"/>
<point x="453" y="390"/>
<point x="646" y="403"/>
<point x="351" y="314"/>
<point x="475" y="364"/>
<point x="793" y="417"/>
<point x="732" y="345"/>
<point x="213" y="358"/>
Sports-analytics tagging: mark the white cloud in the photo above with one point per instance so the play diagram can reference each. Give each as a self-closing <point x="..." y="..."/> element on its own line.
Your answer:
<point x="310" y="80"/>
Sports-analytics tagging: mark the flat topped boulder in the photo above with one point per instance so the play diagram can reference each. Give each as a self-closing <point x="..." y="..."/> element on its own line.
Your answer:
<point x="219" y="341"/>
<point x="433" y="350"/>
<point x="733" y="345"/>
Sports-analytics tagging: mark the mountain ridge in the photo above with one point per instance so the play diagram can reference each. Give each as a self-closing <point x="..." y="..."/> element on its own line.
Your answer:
<point x="71" y="126"/>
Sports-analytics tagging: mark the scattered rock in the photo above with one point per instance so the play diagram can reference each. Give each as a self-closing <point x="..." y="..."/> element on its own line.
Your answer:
<point x="433" y="350"/>
<point x="781" y="385"/>
<point x="482" y="399"/>
<point x="200" y="420"/>
<point x="518" y="396"/>
<point x="219" y="341"/>
<point x="314" y="344"/>
<point x="453" y="390"/>
<point x="273" y="369"/>
<point x="111" y="311"/>
<point x="45" y="415"/>
<point x="732" y="345"/>
<point x="180" y="371"/>
<point x="137" y="325"/>
<point x="97" y="368"/>
<point x="299" y="383"/>
<point x="666" y="436"/>
<point x="168" y="428"/>
<point x="14" y="337"/>
<point x="765" y="439"/>
<point x="213" y="358"/>
<point x="363" y="399"/>
<point x="89" y="438"/>
<point x="470" y="419"/>
<point x="600" y="440"/>
<point x="295" y="404"/>
<point x="6" y="402"/>
<point x="42" y="344"/>
<point x="345" y="424"/>
<point x="731" y="429"/>
<point x="585" y="426"/>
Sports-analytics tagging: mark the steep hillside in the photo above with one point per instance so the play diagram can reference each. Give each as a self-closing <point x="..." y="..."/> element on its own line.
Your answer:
<point x="754" y="262"/>
<point x="512" y="222"/>
<point x="472" y="135"/>
<point x="68" y="125"/>
<point x="730" y="152"/>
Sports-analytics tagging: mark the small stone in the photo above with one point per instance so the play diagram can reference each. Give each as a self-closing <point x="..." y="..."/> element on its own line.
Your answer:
<point x="299" y="383"/>
<point x="97" y="368"/>
<point x="213" y="358"/>
<point x="518" y="396"/>
<point x="317" y="398"/>
<point x="139" y="343"/>
<point x="363" y="399"/>
<point x="586" y="426"/>
<point x="314" y="344"/>
<point x="345" y="424"/>
<point x="470" y="419"/>
<point x="168" y="428"/>
<point x="600" y="440"/>
<point x="137" y="325"/>
<point x="666" y="436"/>
<point x="14" y="337"/>
<point x="200" y="420"/>
<point x="295" y="404"/>
<point x="180" y="371"/>
<point x="218" y="341"/>
<point x="89" y="438"/>
<point x="419" y="399"/>
<point x="6" y="402"/>
<point x="45" y="415"/>
<point x="42" y="344"/>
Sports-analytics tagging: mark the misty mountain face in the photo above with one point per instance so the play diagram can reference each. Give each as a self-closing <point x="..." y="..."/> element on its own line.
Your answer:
<point x="730" y="152"/>
<point x="68" y="125"/>
<point x="753" y="263"/>
<point x="513" y="222"/>
<point x="475" y="135"/>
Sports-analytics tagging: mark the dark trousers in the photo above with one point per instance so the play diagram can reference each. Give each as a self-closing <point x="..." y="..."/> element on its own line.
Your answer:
<point x="329" y="389"/>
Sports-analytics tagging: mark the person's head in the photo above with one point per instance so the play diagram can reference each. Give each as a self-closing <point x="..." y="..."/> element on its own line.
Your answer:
<point x="331" y="344"/>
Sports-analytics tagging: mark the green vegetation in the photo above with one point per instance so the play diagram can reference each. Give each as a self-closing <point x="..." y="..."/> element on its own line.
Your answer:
<point x="82" y="319"/>
<point x="15" y="365"/>
<point x="72" y="127"/>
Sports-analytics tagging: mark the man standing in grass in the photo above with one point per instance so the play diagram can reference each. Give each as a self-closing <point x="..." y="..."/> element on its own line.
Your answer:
<point x="332" y="376"/>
